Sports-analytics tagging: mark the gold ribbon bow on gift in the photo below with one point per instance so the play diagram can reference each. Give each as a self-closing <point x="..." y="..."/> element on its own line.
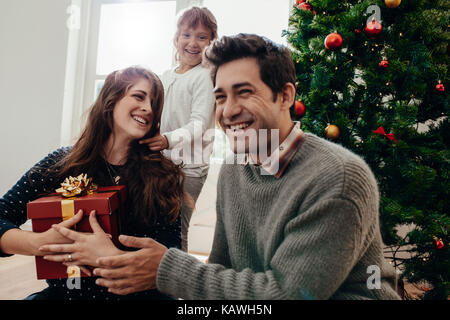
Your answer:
<point x="78" y="186"/>
<point x="72" y="187"/>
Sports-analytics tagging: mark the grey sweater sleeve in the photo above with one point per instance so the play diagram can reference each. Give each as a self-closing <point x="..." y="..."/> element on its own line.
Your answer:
<point x="299" y="269"/>
<point x="219" y="252"/>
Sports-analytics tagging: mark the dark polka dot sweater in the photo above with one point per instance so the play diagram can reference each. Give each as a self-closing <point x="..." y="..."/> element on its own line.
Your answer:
<point x="36" y="183"/>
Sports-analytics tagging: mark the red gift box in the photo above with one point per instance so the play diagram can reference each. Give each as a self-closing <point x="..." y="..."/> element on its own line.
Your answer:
<point x="108" y="202"/>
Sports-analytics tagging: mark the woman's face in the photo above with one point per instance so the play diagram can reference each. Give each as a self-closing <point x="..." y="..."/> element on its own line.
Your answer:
<point x="190" y="45"/>
<point x="133" y="114"/>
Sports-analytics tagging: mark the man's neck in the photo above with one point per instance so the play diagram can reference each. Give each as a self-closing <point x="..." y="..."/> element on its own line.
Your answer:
<point x="283" y="133"/>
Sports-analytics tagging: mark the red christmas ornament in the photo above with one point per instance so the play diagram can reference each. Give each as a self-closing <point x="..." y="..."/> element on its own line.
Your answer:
<point x="373" y="28"/>
<point x="357" y="31"/>
<point x="440" y="87"/>
<point x="384" y="63"/>
<point x="300" y="1"/>
<point x="300" y="108"/>
<point x="306" y="6"/>
<point x="333" y="41"/>
<point x="438" y="243"/>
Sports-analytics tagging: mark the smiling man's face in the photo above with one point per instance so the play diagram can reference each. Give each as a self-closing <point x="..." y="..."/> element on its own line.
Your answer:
<point x="245" y="103"/>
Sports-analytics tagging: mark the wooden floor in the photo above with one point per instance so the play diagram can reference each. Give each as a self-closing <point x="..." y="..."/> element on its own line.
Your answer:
<point x="18" y="278"/>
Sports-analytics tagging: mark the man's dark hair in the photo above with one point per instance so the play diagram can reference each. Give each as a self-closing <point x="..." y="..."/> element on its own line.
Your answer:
<point x="275" y="62"/>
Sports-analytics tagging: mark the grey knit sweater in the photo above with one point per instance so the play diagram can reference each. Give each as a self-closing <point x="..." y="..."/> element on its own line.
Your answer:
<point x="311" y="234"/>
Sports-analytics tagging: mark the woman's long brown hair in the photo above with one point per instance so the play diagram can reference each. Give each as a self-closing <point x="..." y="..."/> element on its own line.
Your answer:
<point x="154" y="183"/>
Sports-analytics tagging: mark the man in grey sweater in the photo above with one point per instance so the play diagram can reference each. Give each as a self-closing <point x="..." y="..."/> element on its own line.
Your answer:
<point x="301" y="223"/>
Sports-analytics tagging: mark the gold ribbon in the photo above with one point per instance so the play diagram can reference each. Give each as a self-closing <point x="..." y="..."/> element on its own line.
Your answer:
<point x="77" y="186"/>
<point x="67" y="209"/>
<point x="73" y="272"/>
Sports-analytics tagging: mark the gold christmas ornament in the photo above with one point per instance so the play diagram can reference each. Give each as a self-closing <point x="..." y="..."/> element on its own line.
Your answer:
<point x="392" y="3"/>
<point x="332" y="132"/>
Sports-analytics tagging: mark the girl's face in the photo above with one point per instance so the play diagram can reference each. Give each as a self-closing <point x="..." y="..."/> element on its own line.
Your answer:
<point x="133" y="114"/>
<point x="190" y="45"/>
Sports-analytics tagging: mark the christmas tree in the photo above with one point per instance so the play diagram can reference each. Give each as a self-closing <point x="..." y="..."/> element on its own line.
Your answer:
<point x="372" y="76"/>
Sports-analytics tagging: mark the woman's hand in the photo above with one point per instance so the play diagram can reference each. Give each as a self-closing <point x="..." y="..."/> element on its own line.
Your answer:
<point x="86" y="247"/>
<point x="17" y="241"/>
<point x="156" y="143"/>
<point x="51" y="236"/>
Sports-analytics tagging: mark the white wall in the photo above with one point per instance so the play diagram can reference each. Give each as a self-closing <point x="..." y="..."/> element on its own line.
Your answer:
<point x="33" y="47"/>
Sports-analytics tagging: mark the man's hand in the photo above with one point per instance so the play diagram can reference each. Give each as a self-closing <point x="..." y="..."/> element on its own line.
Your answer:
<point x="156" y="143"/>
<point x="132" y="271"/>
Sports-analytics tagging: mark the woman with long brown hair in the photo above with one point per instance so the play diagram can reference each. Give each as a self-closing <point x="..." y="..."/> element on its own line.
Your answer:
<point x="128" y="109"/>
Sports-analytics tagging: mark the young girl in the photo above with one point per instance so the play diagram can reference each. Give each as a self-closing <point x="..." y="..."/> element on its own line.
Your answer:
<point x="189" y="106"/>
<point x="128" y="108"/>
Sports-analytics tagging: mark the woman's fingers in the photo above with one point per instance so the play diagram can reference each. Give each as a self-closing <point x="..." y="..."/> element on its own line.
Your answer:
<point x="72" y="221"/>
<point x="57" y="248"/>
<point x="66" y="257"/>
<point x="86" y="271"/>
<point x="69" y="259"/>
<point x="94" y="223"/>
<point x="70" y="234"/>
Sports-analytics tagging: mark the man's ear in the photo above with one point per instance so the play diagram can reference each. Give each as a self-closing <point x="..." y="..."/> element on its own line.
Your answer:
<point x="287" y="96"/>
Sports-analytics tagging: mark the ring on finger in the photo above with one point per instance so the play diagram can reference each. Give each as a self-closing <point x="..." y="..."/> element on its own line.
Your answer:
<point x="69" y="257"/>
